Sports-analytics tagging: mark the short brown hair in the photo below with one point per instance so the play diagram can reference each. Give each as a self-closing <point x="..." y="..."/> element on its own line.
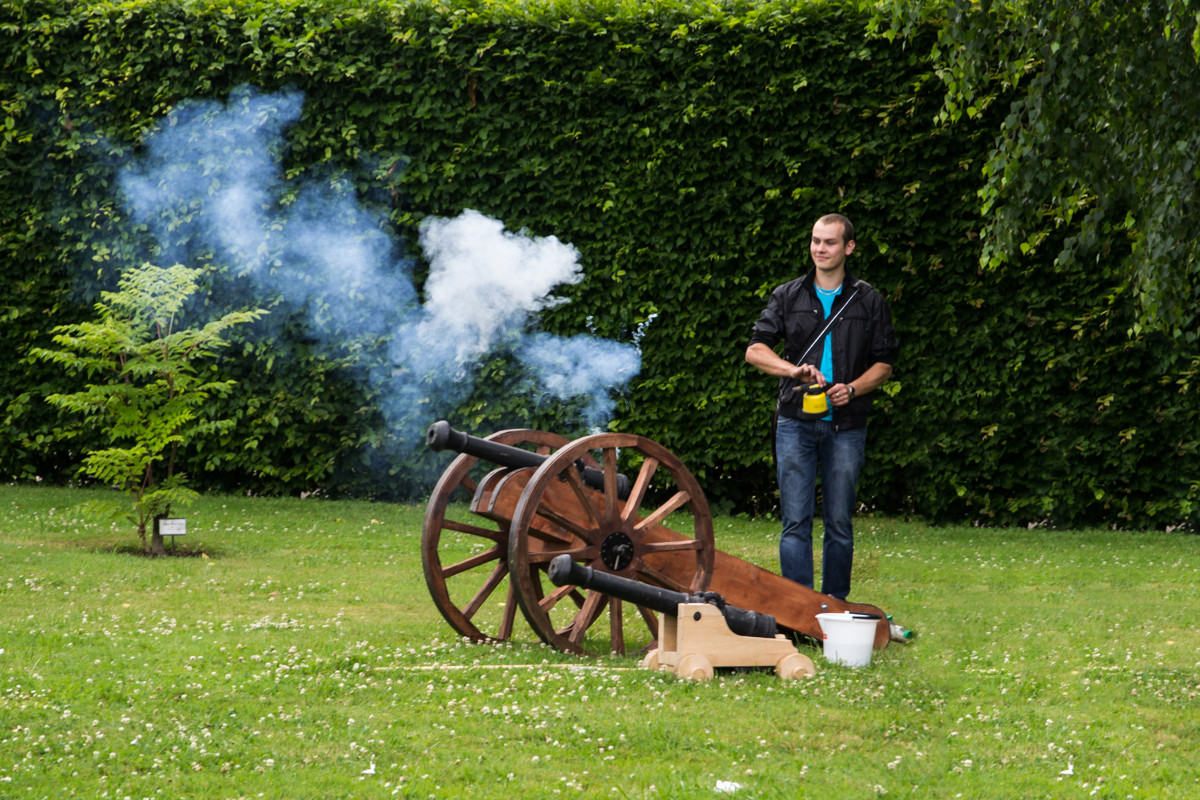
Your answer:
<point x="847" y="225"/>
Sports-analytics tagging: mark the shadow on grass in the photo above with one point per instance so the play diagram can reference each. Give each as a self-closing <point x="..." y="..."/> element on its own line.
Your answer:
<point x="172" y="550"/>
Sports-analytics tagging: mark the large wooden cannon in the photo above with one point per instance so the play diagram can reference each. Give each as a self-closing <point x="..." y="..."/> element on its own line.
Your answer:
<point x="511" y="502"/>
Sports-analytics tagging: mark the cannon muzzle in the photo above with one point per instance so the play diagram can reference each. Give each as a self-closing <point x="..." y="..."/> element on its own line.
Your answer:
<point x="440" y="436"/>
<point x="563" y="571"/>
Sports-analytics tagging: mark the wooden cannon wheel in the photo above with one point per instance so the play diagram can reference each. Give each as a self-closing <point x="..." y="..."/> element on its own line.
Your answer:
<point x="558" y="513"/>
<point x="465" y="557"/>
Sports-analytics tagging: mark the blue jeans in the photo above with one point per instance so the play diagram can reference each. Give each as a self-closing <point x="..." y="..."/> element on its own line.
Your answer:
<point x="802" y="448"/>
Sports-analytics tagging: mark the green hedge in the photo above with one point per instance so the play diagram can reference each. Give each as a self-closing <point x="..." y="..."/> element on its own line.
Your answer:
<point x="685" y="150"/>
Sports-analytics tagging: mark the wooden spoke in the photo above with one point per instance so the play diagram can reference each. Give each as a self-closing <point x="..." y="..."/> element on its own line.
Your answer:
<point x="471" y="563"/>
<point x="585" y="497"/>
<point x="552" y="599"/>
<point x="510" y="615"/>
<point x="562" y="520"/>
<point x="485" y="591"/>
<point x="651" y="621"/>
<point x="612" y="535"/>
<point x="464" y="580"/>
<point x="579" y="554"/>
<point x="638" y="492"/>
<point x="609" y="460"/>
<point x="500" y="537"/>
<point x="678" y="501"/>
<point x="616" y="626"/>
<point x="674" y="547"/>
<point x="648" y="575"/>
<point x="587" y="616"/>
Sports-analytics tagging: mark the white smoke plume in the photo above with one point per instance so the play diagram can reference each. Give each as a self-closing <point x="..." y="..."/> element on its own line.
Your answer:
<point x="576" y="366"/>
<point x="209" y="183"/>
<point x="483" y="285"/>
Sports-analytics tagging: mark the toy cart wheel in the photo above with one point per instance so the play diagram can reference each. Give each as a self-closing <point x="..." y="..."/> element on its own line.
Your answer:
<point x="465" y="557"/>
<point x="695" y="667"/>
<point x="795" y="665"/>
<point x="558" y="513"/>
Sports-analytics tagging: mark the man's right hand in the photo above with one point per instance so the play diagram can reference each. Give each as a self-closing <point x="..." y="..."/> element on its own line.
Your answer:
<point x="807" y="373"/>
<point x="761" y="357"/>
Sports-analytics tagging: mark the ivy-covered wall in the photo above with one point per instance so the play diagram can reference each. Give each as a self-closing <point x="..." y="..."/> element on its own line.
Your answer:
<point x="685" y="151"/>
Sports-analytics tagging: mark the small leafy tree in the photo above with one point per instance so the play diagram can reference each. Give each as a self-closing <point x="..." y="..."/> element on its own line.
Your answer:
<point x="147" y="393"/>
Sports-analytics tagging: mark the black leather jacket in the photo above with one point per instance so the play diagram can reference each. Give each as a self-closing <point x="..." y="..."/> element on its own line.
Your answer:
<point x="862" y="336"/>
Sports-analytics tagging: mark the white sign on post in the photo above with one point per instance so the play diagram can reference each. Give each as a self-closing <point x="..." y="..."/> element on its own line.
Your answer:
<point x="172" y="527"/>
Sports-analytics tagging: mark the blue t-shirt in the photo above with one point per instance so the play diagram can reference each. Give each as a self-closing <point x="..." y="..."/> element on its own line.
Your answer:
<point x="827" y="298"/>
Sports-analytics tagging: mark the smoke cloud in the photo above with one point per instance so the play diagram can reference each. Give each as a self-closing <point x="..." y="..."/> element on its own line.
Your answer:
<point x="209" y="184"/>
<point x="484" y="285"/>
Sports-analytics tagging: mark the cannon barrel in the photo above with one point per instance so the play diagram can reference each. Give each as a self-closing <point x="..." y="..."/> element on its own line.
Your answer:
<point x="440" y="436"/>
<point x="563" y="570"/>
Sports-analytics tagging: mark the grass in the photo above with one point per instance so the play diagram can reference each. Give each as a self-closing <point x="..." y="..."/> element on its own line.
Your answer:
<point x="295" y="653"/>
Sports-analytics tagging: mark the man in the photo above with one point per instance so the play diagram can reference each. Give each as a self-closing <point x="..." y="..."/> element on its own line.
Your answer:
<point x="850" y="361"/>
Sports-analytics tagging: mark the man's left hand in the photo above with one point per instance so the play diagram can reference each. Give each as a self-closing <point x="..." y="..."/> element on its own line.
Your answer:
<point x="840" y="394"/>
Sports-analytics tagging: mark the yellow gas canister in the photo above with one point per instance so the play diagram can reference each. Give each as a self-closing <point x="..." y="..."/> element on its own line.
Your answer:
<point x="816" y="402"/>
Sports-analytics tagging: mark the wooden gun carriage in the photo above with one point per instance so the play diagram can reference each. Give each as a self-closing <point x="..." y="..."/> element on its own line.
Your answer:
<point x="489" y="536"/>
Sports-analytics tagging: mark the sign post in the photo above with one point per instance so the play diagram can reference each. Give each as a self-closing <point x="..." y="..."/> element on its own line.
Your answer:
<point x="171" y="527"/>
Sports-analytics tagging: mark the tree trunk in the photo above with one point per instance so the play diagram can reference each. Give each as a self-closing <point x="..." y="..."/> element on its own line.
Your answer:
<point x="156" y="540"/>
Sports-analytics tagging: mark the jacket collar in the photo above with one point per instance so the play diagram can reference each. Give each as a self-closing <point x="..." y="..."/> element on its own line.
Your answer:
<point x="810" y="281"/>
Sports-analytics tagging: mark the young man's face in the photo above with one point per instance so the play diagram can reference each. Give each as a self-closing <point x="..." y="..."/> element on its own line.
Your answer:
<point x="828" y="249"/>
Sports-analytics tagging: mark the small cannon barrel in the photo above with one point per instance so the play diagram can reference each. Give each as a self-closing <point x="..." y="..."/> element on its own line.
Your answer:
<point x="440" y="436"/>
<point x="564" y="571"/>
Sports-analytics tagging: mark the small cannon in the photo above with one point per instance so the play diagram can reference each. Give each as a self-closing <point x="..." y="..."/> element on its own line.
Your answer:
<point x="509" y="503"/>
<point x="563" y="571"/>
<point x="696" y="632"/>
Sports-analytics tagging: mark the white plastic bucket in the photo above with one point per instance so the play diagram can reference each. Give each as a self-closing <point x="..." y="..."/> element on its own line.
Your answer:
<point x="849" y="638"/>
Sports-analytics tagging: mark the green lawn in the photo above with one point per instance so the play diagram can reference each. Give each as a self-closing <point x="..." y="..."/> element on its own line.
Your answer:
<point x="290" y="649"/>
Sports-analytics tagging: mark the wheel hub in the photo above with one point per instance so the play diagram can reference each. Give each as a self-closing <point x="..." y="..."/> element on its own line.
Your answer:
<point x="616" y="551"/>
